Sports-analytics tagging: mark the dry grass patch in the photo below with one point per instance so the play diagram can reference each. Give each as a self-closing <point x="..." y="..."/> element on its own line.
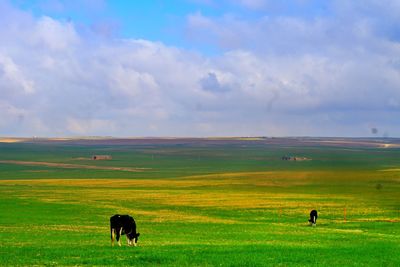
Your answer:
<point x="168" y="192"/>
<point x="70" y="166"/>
<point x="11" y="140"/>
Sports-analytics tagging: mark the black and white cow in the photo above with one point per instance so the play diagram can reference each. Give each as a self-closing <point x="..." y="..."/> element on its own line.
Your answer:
<point x="123" y="225"/>
<point x="313" y="218"/>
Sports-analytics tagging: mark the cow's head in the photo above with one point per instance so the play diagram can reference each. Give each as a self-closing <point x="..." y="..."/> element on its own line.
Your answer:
<point x="133" y="238"/>
<point x="136" y="238"/>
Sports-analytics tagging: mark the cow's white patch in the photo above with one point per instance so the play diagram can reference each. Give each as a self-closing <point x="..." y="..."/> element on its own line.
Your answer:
<point x="112" y="236"/>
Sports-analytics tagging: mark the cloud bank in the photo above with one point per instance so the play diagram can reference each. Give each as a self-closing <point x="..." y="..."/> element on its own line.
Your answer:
<point x="331" y="75"/>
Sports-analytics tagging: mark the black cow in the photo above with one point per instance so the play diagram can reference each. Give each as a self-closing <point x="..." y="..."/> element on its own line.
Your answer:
<point x="313" y="217"/>
<point x="123" y="225"/>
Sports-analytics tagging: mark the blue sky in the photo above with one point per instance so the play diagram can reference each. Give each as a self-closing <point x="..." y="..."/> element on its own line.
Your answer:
<point x="164" y="21"/>
<point x="199" y="68"/>
<point x="151" y="20"/>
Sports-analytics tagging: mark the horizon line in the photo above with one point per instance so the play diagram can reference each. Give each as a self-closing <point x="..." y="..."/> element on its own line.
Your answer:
<point x="186" y="137"/>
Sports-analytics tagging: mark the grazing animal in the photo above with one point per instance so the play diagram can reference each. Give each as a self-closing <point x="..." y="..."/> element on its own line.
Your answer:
<point x="313" y="218"/>
<point x="123" y="225"/>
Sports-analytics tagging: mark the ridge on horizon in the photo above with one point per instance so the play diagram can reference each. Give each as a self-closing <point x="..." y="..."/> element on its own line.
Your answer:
<point x="189" y="137"/>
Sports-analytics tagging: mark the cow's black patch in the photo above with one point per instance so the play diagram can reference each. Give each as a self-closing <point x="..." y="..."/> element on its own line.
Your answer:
<point x="123" y="225"/>
<point x="313" y="217"/>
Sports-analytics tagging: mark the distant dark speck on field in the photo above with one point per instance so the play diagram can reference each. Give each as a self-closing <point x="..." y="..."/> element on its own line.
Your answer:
<point x="101" y="157"/>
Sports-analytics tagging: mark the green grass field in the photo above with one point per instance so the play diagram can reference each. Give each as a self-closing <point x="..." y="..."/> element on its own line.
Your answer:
<point x="197" y="205"/>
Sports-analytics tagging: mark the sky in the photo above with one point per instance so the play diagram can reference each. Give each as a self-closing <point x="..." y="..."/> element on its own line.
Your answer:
<point x="197" y="68"/>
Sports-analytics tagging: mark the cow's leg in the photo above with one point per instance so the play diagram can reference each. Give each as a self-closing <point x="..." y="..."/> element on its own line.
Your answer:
<point x="119" y="232"/>
<point x="314" y="221"/>
<point x="128" y="240"/>
<point x="112" y="236"/>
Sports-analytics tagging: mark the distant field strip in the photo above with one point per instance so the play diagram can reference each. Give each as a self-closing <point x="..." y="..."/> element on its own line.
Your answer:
<point x="72" y="166"/>
<point x="391" y="170"/>
<point x="355" y="143"/>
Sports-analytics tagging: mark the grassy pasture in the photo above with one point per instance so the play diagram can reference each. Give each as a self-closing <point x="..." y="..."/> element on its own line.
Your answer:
<point x="230" y="205"/>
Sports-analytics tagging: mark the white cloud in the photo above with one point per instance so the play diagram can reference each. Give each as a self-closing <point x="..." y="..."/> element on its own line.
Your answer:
<point x="11" y="76"/>
<point x="87" y="127"/>
<point x="54" y="35"/>
<point x="277" y="76"/>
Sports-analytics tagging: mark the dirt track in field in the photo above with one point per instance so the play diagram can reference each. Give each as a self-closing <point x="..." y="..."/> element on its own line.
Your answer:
<point x="71" y="166"/>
